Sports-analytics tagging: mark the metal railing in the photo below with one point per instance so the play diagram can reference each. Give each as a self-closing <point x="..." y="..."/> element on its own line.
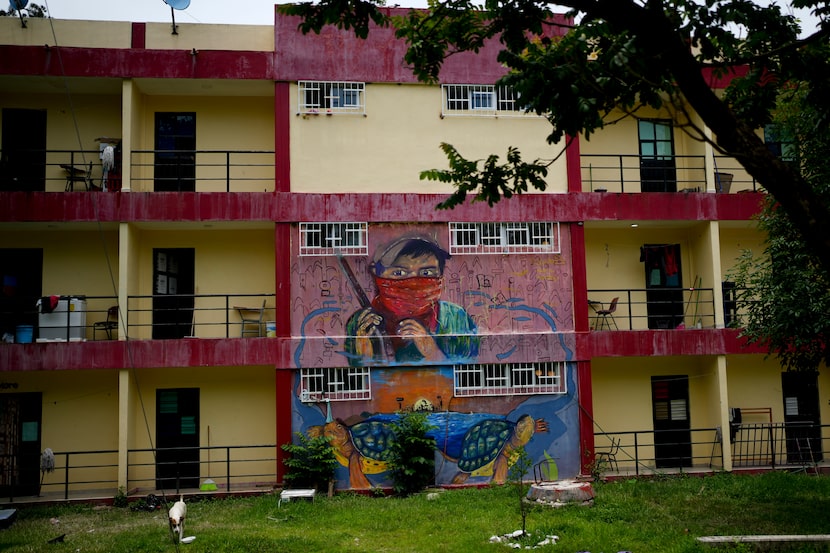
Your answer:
<point x="637" y="451"/>
<point x="150" y="170"/>
<point x="774" y="446"/>
<point x="202" y="170"/>
<point x="145" y="317"/>
<point x="629" y="173"/>
<point x="196" y="315"/>
<point x="663" y="308"/>
<point x="87" y="474"/>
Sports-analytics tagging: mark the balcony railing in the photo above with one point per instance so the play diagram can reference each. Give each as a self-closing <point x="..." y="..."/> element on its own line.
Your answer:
<point x="654" y="308"/>
<point x="88" y="474"/>
<point x="785" y="446"/>
<point x="146" y="317"/>
<point x="631" y="173"/>
<point x="202" y="170"/>
<point x="150" y="170"/>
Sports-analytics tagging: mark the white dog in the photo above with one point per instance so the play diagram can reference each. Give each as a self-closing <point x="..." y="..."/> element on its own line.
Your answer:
<point x="177" y="515"/>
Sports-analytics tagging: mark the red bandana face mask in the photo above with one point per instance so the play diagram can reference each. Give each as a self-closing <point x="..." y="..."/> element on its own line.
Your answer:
<point x="409" y="298"/>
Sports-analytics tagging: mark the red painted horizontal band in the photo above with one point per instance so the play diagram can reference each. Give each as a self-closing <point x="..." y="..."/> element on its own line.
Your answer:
<point x="284" y="207"/>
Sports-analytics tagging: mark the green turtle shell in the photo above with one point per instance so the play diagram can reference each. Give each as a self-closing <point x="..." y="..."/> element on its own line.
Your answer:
<point x="373" y="438"/>
<point x="482" y="443"/>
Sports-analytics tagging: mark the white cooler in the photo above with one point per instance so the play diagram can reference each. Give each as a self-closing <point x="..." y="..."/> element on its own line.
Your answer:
<point x="67" y="319"/>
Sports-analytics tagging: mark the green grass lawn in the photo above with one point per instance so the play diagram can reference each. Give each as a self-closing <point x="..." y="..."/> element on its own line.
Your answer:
<point x="641" y="516"/>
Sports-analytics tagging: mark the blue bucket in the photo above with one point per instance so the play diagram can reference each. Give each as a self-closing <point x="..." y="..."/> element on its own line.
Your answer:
<point x="23" y="334"/>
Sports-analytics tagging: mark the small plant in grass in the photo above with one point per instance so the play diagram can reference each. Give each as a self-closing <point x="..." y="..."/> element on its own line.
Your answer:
<point x="522" y="463"/>
<point x="412" y="454"/>
<point x="120" y="499"/>
<point x="311" y="462"/>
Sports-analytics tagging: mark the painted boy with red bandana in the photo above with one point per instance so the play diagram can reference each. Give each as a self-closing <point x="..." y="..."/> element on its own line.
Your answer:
<point x="407" y="322"/>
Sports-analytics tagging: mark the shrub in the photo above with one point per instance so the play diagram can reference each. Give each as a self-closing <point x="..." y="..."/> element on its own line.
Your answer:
<point x="311" y="462"/>
<point x="412" y="454"/>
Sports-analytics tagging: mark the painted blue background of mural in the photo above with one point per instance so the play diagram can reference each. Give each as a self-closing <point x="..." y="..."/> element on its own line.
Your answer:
<point x="559" y="440"/>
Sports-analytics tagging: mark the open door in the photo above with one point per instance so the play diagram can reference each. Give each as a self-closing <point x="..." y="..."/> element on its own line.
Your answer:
<point x="23" y="164"/>
<point x="657" y="161"/>
<point x="177" y="438"/>
<point x="173" y="287"/>
<point x="20" y="417"/>
<point x="664" y="285"/>
<point x="672" y="425"/>
<point x="802" y="416"/>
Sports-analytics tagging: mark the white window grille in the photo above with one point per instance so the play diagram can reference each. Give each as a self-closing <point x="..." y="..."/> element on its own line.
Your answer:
<point x="333" y="239"/>
<point x="331" y="97"/>
<point x="335" y="384"/>
<point x="490" y="379"/>
<point x="516" y="237"/>
<point x="477" y="100"/>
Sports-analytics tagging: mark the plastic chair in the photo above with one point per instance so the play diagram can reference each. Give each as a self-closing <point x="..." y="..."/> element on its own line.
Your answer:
<point x="248" y="320"/>
<point x="604" y="314"/>
<point x="608" y="456"/>
<point x="110" y="324"/>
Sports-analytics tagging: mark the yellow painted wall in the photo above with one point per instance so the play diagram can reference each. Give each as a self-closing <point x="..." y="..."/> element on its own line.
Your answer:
<point x="94" y="115"/>
<point x="78" y="263"/>
<point x="237" y="403"/>
<point x="69" y="33"/>
<point x="613" y="264"/>
<point x="222" y="123"/>
<point x="627" y="381"/>
<point x="256" y="38"/>
<point x="398" y="138"/>
<point x="78" y="414"/>
<point x="733" y="241"/>
<point x="227" y="262"/>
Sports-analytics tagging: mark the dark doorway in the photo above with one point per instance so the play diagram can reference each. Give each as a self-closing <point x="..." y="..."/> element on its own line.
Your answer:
<point x="664" y="285"/>
<point x="177" y="438"/>
<point x="657" y="161"/>
<point x="23" y="164"/>
<point x="672" y="430"/>
<point x="802" y="416"/>
<point x="21" y="276"/>
<point x="173" y="287"/>
<point x="20" y="444"/>
<point x="175" y="152"/>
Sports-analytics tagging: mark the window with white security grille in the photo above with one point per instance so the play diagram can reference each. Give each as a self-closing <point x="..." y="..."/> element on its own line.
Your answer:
<point x="491" y="379"/>
<point x="335" y="384"/>
<point x="484" y="238"/>
<point x="480" y="100"/>
<point x="333" y="239"/>
<point x="331" y="97"/>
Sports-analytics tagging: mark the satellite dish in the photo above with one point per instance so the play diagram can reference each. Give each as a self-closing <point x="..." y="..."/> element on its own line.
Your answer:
<point x="19" y="4"/>
<point x="175" y="4"/>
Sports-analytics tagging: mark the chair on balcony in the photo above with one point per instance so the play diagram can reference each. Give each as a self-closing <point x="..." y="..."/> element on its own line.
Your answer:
<point x="251" y="319"/>
<point x="604" y="314"/>
<point x="108" y="325"/>
<point x="608" y="457"/>
<point x="77" y="174"/>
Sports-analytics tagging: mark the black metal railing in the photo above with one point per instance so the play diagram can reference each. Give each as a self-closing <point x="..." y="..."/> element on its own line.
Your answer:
<point x="633" y="173"/>
<point x="642" y="452"/>
<point x="641" y="308"/>
<point x="78" y="317"/>
<point x="202" y="170"/>
<point x="199" y="315"/>
<point x="88" y="474"/>
<point x="150" y="170"/>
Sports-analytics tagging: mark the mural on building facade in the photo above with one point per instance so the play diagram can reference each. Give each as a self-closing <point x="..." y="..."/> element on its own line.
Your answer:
<point x="411" y="312"/>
